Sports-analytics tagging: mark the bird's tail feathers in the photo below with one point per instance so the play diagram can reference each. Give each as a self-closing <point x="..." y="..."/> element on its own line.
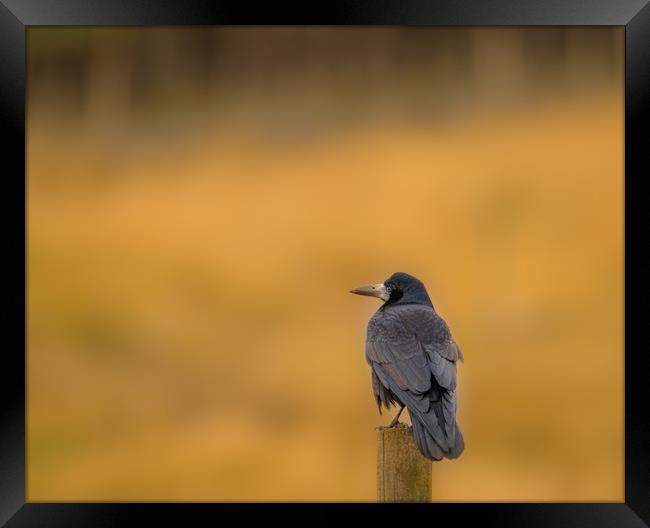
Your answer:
<point x="433" y="439"/>
<point x="425" y="442"/>
<point x="458" y="445"/>
<point x="429" y="447"/>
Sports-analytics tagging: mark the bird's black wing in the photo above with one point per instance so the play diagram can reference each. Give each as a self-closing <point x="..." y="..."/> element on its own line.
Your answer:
<point x="412" y="353"/>
<point x="383" y="396"/>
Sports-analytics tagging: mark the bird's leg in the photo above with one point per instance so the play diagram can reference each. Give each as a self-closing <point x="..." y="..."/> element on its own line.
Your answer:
<point x="396" y="419"/>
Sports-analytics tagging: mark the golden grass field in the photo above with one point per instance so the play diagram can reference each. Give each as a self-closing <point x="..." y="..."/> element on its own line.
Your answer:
<point x="191" y="335"/>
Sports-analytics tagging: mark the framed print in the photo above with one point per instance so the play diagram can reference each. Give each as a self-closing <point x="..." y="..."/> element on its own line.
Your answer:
<point x="200" y="186"/>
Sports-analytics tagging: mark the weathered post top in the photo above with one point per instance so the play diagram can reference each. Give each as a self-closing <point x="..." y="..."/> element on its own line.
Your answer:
<point x="403" y="474"/>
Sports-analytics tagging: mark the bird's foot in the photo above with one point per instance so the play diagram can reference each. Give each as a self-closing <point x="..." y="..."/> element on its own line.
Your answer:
<point x="396" y="419"/>
<point x="394" y="423"/>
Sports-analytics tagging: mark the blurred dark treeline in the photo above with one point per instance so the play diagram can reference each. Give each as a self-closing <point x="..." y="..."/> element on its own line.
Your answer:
<point x="304" y="79"/>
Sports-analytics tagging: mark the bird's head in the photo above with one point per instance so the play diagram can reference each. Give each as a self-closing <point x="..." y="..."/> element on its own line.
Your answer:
<point x="399" y="287"/>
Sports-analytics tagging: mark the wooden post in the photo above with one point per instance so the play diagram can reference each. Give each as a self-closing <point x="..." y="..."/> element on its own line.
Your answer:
<point x="403" y="474"/>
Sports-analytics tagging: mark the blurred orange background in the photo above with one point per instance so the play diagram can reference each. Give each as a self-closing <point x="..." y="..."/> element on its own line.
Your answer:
<point x="200" y="201"/>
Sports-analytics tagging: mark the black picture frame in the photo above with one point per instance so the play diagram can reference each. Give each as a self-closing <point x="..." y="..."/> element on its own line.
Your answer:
<point x="17" y="15"/>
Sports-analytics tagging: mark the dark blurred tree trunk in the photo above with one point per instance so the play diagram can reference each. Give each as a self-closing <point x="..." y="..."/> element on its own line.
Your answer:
<point x="499" y="66"/>
<point x="109" y="84"/>
<point x="593" y="54"/>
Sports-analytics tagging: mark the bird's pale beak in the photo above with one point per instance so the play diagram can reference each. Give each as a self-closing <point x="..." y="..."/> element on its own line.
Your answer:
<point x="373" y="290"/>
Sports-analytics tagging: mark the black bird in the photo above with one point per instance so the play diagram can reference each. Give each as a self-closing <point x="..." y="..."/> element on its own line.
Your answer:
<point x="413" y="359"/>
